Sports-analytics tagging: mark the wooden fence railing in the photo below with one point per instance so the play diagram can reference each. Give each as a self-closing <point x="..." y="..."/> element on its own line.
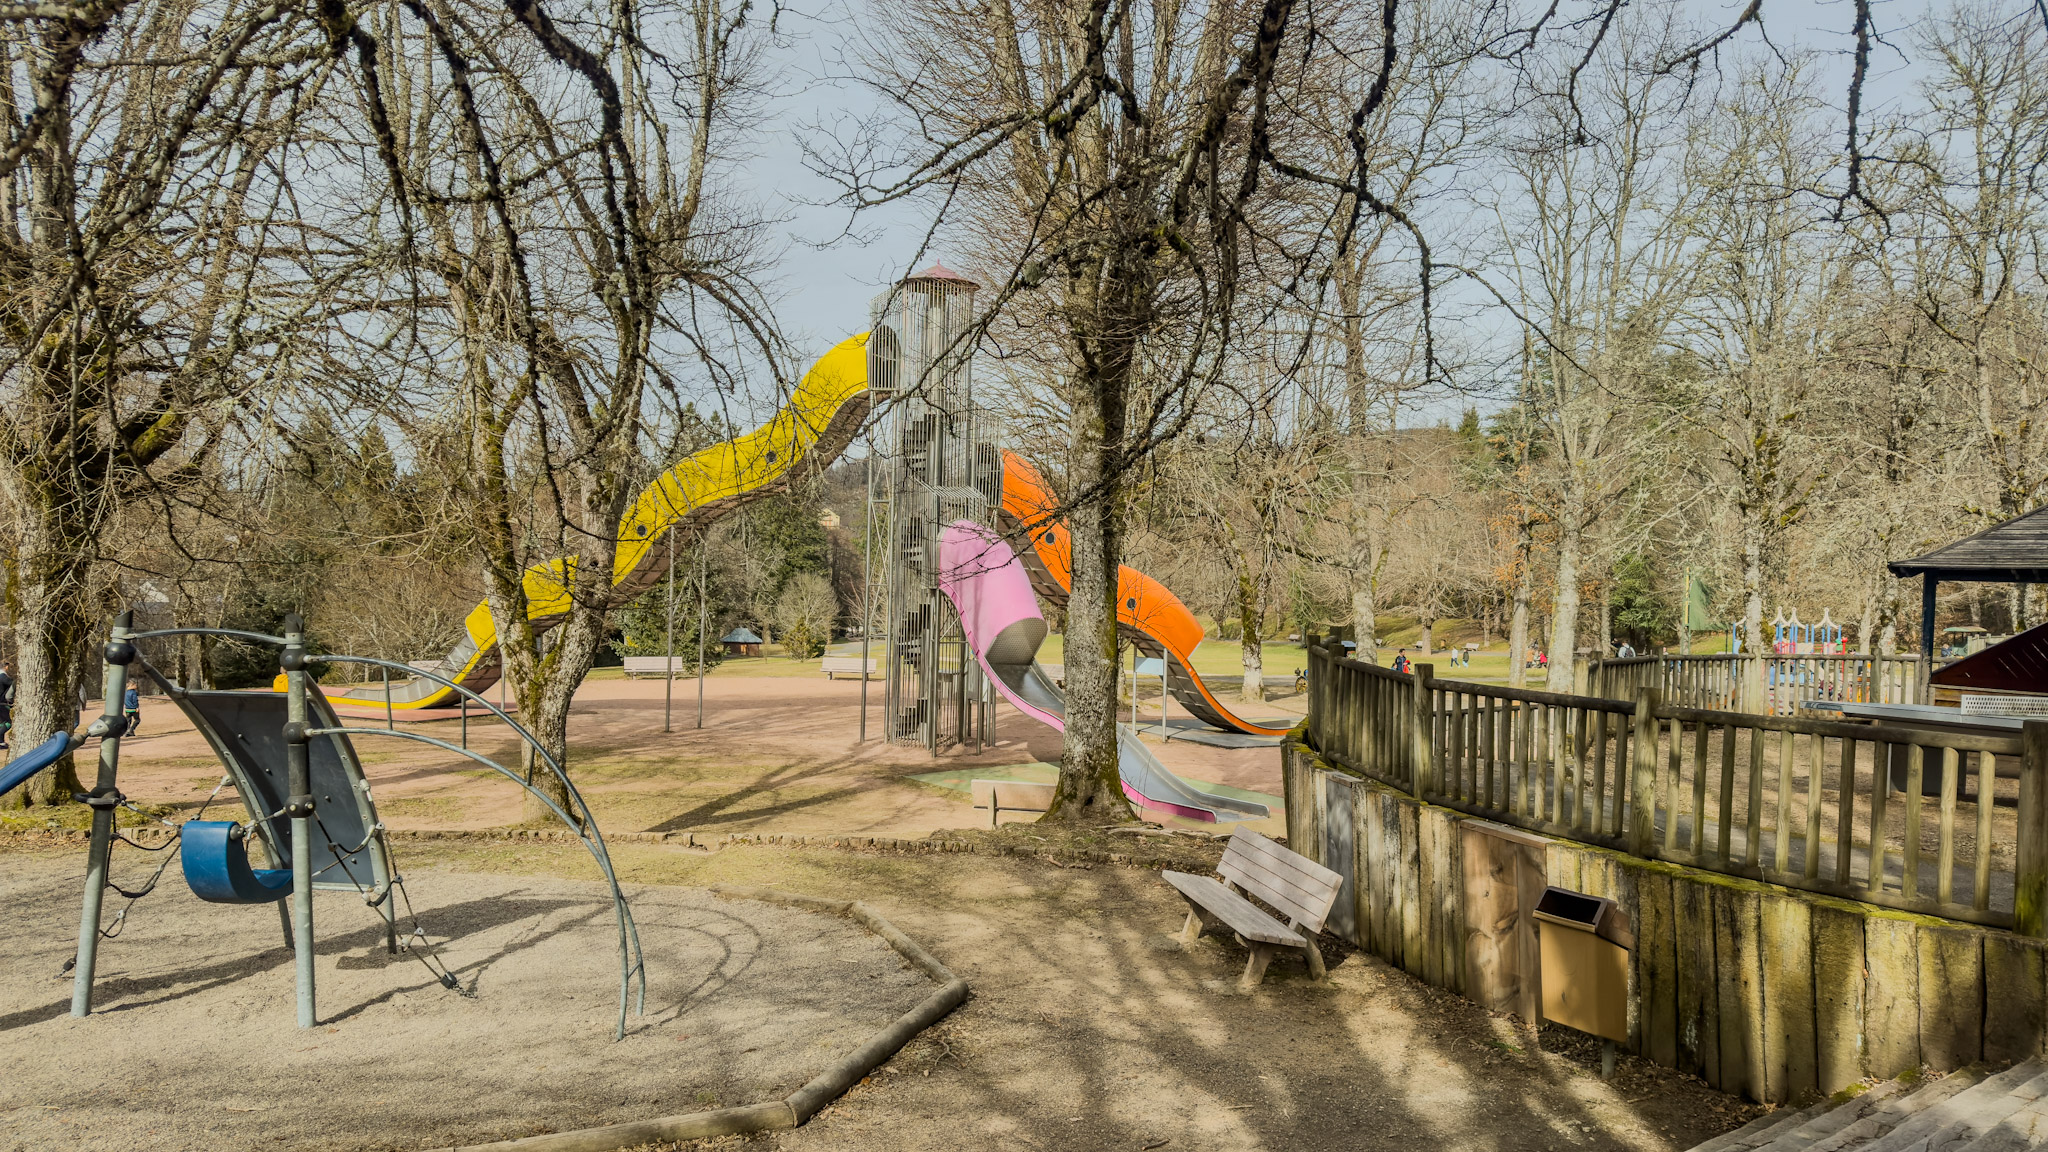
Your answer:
<point x="1772" y="685"/>
<point x="1949" y="823"/>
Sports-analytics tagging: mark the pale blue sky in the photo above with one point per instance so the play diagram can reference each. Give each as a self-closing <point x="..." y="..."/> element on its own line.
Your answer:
<point x="827" y="278"/>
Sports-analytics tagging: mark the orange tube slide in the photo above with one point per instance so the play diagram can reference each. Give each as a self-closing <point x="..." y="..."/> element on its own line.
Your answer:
<point x="1149" y="616"/>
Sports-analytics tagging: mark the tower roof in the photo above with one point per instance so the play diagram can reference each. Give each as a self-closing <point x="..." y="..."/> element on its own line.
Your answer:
<point x="939" y="271"/>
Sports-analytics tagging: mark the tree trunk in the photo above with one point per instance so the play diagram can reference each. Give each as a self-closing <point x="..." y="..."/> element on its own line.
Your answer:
<point x="1250" y="650"/>
<point x="1364" y="560"/>
<point x="1888" y="615"/>
<point x="1606" y="621"/>
<point x="1753" y="640"/>
<point x="50" y="631"/>
<point x="1564" y="613"/>
<point x="1090" y="788"/>
<point x="1428" y="632"/>
<point x="1518" y="614"/>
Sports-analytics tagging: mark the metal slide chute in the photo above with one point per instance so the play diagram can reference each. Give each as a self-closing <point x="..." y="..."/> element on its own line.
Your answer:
<point x="1150" y="617"/>
<point x="19" y="769"/>
<point x="826" y="409"/>
<point x="999" y="615"/>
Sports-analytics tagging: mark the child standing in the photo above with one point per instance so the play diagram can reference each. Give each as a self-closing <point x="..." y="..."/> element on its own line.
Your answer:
<point x="132" y="702"/>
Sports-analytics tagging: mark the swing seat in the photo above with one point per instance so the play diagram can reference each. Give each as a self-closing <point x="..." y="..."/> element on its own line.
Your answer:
<point x="216" y="860"/>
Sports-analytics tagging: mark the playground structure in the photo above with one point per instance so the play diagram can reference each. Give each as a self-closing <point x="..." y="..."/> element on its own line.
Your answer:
<point x="1148" y="616"/>
<point x="310" y="809"/>
<point x="934" y="462"/>
<point x="827" y="407"/>
<point x="988" y="586"/>
<point x="932" y="466"/>
<point x="1792" y="637"/>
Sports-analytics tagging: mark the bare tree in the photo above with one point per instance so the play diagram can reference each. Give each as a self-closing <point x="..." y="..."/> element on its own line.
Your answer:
<point x="569" y="222"/>
<point x="148" y="277"/>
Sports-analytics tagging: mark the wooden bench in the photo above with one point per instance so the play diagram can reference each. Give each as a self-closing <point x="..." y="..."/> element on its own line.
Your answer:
<point x="653" y="666"/>
<point x="999" y="796"/>
<point x="837" y="666"/>
<point x="1299" y="888"/>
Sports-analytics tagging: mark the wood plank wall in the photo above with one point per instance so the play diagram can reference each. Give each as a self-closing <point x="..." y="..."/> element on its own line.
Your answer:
<point x="1772" y="993"/>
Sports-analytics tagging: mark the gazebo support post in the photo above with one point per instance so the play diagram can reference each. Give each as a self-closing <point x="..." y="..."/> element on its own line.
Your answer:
<point x="1927" y="583"/>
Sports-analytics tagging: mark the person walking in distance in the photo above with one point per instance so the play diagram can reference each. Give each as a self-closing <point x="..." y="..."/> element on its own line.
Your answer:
<point x="131" y="703"/>
<point x="6" y="701"/>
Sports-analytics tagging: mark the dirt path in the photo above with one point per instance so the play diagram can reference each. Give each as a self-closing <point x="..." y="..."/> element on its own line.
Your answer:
<point x="1089" y="1028"/>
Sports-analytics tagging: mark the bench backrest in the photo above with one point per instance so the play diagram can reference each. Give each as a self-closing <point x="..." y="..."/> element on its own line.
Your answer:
<point x="1297" y="887"/>
<point x="653" y="663"/>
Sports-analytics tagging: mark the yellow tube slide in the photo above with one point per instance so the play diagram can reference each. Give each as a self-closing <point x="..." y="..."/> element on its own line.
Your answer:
<point x="820" y="419"/>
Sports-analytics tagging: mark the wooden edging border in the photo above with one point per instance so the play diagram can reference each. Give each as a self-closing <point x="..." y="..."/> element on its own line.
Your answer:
<point x="800" y="1105"/>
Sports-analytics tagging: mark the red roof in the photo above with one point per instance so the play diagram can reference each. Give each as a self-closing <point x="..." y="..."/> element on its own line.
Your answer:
<point x="939" y="271"/>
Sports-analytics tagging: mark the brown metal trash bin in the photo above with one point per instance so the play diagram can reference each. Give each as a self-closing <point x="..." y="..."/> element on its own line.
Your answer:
<point x="1584" y="943"/>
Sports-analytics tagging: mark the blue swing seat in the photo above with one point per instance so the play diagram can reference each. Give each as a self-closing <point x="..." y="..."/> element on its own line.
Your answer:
<point x="216" y="860"/>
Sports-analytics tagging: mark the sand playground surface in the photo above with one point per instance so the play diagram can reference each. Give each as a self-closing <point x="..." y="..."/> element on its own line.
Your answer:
<point x="193" y="1043"/>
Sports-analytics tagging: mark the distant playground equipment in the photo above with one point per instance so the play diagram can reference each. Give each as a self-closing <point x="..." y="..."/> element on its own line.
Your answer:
<point x="310" y="811"/>
<point x="1791" y="637"/>
<point x="1149" y="616"/>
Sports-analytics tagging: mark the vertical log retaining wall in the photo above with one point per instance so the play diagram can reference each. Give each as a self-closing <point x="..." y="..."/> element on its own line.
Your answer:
<point x="1773" y="993"/>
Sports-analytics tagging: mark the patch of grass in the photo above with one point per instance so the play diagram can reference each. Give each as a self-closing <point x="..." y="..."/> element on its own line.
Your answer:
<point x="78" y="817"/>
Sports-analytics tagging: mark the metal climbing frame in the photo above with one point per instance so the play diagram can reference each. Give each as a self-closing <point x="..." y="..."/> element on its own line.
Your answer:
<point x="935" y="465"/>
<point x="309" y="724"/>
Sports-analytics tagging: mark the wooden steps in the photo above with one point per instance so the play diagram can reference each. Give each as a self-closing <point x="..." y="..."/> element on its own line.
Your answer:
<point x="1969" y="1111"/>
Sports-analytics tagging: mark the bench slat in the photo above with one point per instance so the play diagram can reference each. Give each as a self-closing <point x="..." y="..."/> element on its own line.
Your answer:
<point x="1243" y="917"/>
<point x="1298" y="887"/>
<point x="1251" y="844"/>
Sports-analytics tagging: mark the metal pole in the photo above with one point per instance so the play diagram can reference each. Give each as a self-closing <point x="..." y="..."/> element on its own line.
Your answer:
<point x="299" y="806"/>
<point x="113" y="687"/>
<point x="1165" y="670"/>
<point x="465" y="723"/>
<point x="867" y="591"/>
<point x="668" y="700"/>
<point x="703" y="611"/>
<point x="389" y="722"/>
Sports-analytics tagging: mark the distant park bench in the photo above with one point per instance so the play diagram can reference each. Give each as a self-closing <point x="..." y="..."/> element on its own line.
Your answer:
<point x="1299" y="888"/>
<point x="658" y="666"/>
<point x="992" y="798"/>
<point x="837" y="666"/>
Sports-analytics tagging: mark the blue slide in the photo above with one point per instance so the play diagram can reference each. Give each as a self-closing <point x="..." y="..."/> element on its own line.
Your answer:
<point x="19" y="769"/>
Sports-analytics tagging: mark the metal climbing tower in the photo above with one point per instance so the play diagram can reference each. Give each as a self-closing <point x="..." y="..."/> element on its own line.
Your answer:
<point x="934" y="464"/>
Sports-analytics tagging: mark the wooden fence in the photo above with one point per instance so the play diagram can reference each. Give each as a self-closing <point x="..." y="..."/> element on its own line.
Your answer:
<point x="1772" y="685"/>
<point x="1949" y="823"/>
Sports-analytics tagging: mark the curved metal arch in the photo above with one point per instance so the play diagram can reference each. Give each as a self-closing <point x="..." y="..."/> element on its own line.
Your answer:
<point x="259" y="637"/>
<point x="628" y="928"/>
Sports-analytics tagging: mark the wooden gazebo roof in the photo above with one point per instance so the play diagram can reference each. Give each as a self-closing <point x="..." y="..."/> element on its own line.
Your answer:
<point x="2015" y="552"/>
